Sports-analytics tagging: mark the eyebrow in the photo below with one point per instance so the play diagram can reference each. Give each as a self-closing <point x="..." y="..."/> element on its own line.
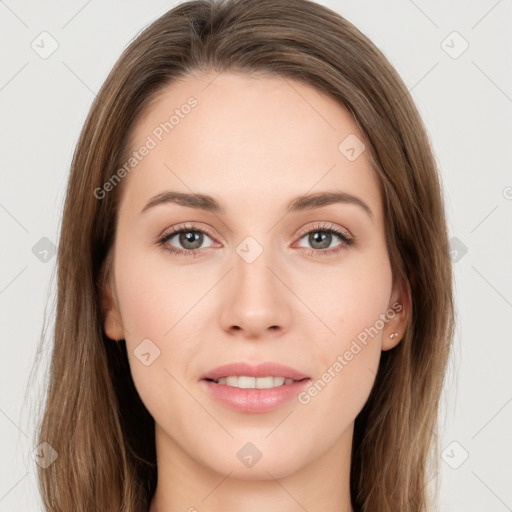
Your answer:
<point x="300" y="203"/>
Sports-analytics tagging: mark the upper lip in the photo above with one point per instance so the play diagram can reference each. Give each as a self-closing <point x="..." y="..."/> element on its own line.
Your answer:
<point x="251" y="370"/>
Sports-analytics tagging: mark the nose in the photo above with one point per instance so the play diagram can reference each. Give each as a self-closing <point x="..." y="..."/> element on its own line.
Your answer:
<point x="256" y="300"/>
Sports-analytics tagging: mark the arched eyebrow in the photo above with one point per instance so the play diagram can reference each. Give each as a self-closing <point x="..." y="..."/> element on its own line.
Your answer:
<point x="198" y="201"/>
<point x="298" y="204"/>
<point x="320" y="199"/>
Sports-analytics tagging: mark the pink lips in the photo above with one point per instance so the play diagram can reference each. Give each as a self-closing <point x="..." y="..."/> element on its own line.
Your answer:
<point x="260" y="370"/>
<point x="254" y="400"/>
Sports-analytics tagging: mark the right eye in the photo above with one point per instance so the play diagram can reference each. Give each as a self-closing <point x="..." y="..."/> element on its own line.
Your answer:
<point x="190" y="238"/>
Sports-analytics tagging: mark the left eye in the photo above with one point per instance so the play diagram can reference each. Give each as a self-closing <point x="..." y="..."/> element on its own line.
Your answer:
<point x="321" y="238"/>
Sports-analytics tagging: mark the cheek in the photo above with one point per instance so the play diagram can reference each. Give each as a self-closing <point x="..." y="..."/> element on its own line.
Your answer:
<point x="350" y="297"/>
<point x="354" y="305"/>
<point x="151" y="309"/>
<point x="153" y="295"/>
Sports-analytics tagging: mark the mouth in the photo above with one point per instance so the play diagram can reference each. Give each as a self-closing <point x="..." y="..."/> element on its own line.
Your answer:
<point x="253" y="389"/>
<point x="260" y="376"/>
<point x="248" y="382"/>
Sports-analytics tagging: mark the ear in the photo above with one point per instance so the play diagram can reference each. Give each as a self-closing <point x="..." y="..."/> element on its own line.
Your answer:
<point x="401" y="305"/>
<point x="113" y="324"/>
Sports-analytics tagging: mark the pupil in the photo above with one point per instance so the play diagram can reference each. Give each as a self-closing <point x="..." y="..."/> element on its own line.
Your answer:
<point x="321" y="238"/>
<point x="191" y="237"/>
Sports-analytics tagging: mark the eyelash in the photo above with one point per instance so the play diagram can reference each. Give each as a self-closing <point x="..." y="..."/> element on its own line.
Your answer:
<point x="346" y="240"/>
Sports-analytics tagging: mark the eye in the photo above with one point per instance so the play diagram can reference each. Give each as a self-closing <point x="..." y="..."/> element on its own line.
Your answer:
<point x="190" y="238"/>
<point x="321" y="237"/>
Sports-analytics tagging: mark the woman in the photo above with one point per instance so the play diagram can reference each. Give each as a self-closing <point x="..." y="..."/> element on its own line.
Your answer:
<point x="204" y="357"/>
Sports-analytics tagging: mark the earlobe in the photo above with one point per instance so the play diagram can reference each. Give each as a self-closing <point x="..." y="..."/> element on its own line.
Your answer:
<point x="400" y="304"/>
<point x="113" y="324"/>
<point x="391" y="341"/>
<point x="113" y="327"/>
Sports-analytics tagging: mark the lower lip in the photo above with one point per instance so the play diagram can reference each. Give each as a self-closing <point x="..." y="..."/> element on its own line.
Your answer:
<point x="254" y="400"/>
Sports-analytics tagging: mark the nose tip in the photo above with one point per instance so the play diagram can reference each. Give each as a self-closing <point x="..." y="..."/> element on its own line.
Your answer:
<point x="254" y="303"/>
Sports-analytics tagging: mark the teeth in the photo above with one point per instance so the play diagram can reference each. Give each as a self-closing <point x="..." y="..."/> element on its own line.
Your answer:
<point x="245" y="382"/>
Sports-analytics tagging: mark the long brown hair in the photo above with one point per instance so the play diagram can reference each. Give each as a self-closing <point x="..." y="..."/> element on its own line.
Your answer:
<point x="93" y="417"/>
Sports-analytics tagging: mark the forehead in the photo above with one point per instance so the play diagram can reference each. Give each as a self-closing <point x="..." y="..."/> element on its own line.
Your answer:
<point x="248" y="138"/>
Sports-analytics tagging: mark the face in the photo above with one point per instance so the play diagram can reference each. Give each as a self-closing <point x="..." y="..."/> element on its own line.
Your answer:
<point x="248" y="279"/>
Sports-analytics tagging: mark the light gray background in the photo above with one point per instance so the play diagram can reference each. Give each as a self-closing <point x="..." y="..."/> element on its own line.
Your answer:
<point x="466" y="103"/>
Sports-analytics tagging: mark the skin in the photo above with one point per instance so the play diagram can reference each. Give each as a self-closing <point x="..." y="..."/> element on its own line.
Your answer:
<point x="253" y="143"/>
